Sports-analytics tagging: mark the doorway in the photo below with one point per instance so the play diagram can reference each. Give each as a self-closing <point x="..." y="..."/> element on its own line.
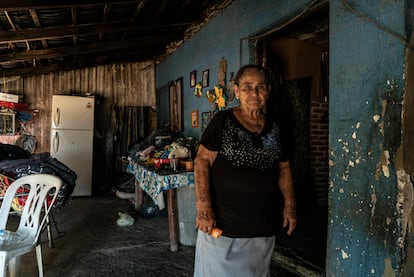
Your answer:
<point x="296" y="56"/>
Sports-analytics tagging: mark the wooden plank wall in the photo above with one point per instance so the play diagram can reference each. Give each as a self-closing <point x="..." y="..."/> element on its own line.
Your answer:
<point x="125" y="84"/>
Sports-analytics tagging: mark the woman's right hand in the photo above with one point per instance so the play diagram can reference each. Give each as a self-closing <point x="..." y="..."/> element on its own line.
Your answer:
<point x="205" y="219"/>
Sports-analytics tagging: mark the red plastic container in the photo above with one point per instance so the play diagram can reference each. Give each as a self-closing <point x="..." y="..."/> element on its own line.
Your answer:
<point x="158" y="162"/>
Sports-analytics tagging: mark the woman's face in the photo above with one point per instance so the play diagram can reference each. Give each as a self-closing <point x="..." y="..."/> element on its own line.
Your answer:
<point x="252" y="90"/>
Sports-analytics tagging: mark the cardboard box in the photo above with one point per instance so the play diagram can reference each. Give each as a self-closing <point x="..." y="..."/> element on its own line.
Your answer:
<point x="9" y="97"/>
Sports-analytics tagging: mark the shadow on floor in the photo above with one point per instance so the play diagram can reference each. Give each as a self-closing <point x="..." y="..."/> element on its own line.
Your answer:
<point x="94" y="245"/>
<point x="306" y="247"/>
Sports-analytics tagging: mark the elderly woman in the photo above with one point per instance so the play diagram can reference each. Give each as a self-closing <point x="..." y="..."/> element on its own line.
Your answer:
<point x="239" y="169"/>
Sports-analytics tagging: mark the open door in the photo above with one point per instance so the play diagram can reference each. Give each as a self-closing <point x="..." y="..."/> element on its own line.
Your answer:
<point x="297" y="58"/>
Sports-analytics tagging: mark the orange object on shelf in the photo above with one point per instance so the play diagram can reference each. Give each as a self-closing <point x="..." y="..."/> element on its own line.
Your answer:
<point x="159" y="162"/>
<point x="216" y="232"/>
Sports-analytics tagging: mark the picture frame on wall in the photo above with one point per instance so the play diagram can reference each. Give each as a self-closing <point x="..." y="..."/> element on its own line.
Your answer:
<point x="205" y="120"/>
<point x="194" y="119"/>
<point x="193" y="78"/>
<point x="205" y="80"/>
<point x="175" y="91"/>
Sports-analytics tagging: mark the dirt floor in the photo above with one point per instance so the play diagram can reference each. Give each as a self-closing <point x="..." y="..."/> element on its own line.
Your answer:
<point x="94" y="245"/>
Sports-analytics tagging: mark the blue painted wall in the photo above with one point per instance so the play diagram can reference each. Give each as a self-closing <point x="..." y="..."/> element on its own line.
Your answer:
<point x="366" y="90"/>
<point x="221" y="37"/>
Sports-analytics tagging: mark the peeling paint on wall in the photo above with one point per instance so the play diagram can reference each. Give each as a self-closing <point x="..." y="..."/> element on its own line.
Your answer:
<point x="392" y="114"/>
<point x="365" y="133"/>
<point x="404" y="204"/>
<point x="373" y="141"/>
<point x="373" y="202"/>
<point x="385" y="162"/>
<point x="344" y="255"/>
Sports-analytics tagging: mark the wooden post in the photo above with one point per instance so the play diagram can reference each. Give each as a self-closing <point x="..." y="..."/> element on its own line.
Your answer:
<point x="172" y="219"/>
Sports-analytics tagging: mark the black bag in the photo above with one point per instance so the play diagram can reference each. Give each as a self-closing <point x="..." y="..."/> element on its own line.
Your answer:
<point x="148" y="208"/>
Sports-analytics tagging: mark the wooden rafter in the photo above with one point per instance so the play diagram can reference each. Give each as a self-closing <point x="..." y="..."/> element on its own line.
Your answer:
<point x="161" y="8"/>
<point x="36" y="22"/>
<point x="137" y="12"/>
<point x="74" y="14"/>
<point x="36" y="35"/>
<point x="73" y="64"/>
<point x="105" y="18"/>
<point x="9" y="43"/>
<point x="183" y="5"/>
<point x="17" y="5"/>
<point x="81" y="29"/>
<point x="84" y="49"/>
<point x="33" y="60"/>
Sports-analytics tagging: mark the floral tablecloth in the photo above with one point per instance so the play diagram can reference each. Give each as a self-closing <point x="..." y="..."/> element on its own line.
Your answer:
<point x="154" y="182"/>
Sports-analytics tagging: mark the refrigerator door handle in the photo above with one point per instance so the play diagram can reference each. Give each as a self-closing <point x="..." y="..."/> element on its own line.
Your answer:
<point x="56" y="117"/>
<point x="55" y="142"/>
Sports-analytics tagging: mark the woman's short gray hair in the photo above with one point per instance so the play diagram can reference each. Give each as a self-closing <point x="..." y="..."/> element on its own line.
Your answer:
<point x="249" y="67"/>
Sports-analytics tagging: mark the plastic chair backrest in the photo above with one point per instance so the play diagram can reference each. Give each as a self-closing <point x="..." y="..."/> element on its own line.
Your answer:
<point x="39" y="186"/>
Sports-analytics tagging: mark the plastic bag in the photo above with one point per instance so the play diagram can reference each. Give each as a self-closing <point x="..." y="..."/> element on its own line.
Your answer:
<point x="125" y="220"/>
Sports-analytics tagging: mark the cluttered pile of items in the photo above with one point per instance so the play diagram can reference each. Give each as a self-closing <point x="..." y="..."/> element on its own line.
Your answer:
<point x="16" y="162"/>
<point x="162" y="151"/>
<point x="14" y="114"/>
<point x="165" y="151"/>
<point x="17" y="149"/>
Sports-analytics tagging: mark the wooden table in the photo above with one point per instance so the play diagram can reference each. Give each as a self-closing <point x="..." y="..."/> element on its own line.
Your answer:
<point x="153" y="182"/>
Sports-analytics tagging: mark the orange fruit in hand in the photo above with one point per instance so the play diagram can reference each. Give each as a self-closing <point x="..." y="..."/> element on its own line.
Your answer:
<point x="216" y="232"/>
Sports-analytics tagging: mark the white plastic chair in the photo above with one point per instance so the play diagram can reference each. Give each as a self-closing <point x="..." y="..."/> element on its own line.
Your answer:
<point x="32" y="219"/>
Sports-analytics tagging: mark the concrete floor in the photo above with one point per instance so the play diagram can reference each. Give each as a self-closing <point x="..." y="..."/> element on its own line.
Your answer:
<point x="94" y="245"/>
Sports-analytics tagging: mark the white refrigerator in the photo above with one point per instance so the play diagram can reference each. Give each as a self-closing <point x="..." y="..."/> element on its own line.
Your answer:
<point x="71" y="139"/>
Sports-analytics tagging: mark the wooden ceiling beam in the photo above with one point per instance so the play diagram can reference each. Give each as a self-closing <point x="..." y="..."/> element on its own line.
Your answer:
<point x="82" y="29"/>
<point x="10" y="20"/>
<point x="161" y="8"/>
<point x="138" y="10"/>
<point x="137" y="13"/>
<point x="79" y="32"/>
<point x="36" y="22"/>
<point x="74" y="64"/>
<point x="17" y="5"/>
<point x="183" y="5"/>
<point x="86" y="48"/>
<point x="105" y="17"/>
<point x="10" y="44"/>
<point x="74" y="15"/>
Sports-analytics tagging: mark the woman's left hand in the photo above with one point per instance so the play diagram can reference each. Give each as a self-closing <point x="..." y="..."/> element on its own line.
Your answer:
<point x="286" y="186"/>
<point x="289" y="218"/>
